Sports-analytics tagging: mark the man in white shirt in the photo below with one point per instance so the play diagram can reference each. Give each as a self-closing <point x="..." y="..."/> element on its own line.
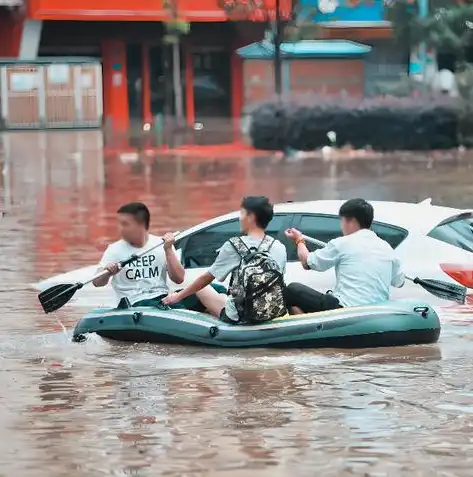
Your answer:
<point x="144" y="281"/>
<point x="255" y="215"/>
<point x="365" y="265"/>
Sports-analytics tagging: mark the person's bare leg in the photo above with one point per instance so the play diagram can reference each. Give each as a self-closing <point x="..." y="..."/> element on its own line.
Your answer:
<point x="212" y="300"/>
<point x="295" y="310"/>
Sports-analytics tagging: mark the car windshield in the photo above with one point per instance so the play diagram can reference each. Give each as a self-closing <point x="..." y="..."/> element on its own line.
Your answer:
<point x="457" y="231"/>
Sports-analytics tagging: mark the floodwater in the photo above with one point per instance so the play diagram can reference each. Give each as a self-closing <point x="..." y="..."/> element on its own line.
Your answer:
<point x="102" y="408"/>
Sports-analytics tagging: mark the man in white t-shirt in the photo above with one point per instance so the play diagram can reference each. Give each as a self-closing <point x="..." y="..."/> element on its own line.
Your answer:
<point x="144" y="281"/>
<point x="255" y="215"/>
<point x="365" y="265"/>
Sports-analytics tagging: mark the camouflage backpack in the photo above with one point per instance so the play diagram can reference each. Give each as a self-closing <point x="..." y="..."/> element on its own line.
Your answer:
<point x="257" y="284"/>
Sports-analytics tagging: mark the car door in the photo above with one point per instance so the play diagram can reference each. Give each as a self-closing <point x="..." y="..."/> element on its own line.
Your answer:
<point x="326" y="227"/>
<point x="199" y="250"/>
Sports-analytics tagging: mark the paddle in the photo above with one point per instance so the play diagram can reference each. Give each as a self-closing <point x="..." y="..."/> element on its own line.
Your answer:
<point x="57" y="296"/>
<point x="440" y="289"/>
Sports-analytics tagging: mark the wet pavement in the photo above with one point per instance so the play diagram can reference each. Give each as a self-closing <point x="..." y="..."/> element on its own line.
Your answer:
<point x="104" y="408"/>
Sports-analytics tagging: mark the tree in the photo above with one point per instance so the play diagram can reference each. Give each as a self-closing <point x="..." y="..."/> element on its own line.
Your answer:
<point x="448" y="27"/>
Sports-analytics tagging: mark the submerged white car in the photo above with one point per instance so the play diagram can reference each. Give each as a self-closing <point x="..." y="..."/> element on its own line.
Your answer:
<point x="423" y="235"/>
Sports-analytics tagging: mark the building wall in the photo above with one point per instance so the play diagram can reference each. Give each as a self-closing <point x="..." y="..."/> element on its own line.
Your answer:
<point x="328" y="76"/>
<point x="11" y="28"/>
<point x="258" y="81"/>
<point x="319" y="76"/>
<point x="363" y="21"/>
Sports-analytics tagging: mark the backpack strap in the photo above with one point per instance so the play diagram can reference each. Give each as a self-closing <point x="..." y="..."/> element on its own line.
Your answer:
<point x="266" y="244"/>
<point x="240" y="246"/>
<point x="242" y="250"/>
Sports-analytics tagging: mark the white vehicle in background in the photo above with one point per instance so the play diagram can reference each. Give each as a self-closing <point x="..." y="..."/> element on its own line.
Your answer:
<point x="424" y="236"/>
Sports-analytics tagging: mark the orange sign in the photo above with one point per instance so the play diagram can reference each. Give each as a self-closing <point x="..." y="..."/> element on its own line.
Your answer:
<point x="146" y="10"/>
<point x="255" y="10"/>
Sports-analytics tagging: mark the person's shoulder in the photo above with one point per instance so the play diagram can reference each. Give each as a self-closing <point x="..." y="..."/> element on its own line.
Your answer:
<point x="152" y="239"/>
<point x="341" y="241"/>
<point x="381" y="245"/>
<point x="116" y="246"/>
<point x="229" y="246"/>
<point x="362" y="236"/>
<point x="386" y="246"/>
<point x="278" y="249"/>
<point x="114" y="251"/>
<point x="277" y="244"/>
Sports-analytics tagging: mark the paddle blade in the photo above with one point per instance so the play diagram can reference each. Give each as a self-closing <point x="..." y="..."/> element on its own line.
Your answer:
<point x="443" y="290"/>
<point x="57" y="296"/>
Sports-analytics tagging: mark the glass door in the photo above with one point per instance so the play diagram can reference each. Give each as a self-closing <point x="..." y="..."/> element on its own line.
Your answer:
<point x="212" y="85"/>
<point x="134" y="67"/>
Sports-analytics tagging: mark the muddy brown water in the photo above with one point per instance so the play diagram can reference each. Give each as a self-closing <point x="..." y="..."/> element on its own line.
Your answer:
<point x="105" y="408"/>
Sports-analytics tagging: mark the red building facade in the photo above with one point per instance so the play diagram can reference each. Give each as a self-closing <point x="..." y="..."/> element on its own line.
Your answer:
<point x="127" y="36"/>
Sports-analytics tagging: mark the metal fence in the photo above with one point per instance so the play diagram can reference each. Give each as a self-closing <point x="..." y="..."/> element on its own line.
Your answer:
<point x="48" y="95"/>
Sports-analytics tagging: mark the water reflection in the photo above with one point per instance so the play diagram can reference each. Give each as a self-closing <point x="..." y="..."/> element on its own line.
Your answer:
<point x="105" y="408"/>
<point x="76" y="221"/>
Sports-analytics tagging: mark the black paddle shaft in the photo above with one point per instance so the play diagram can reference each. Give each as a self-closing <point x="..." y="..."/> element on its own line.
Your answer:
<point x="126" y="262"/>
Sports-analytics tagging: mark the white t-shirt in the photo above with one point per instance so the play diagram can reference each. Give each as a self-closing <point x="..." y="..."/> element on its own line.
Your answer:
<point x="366" y="267"/>
<point x="142" y="279"/>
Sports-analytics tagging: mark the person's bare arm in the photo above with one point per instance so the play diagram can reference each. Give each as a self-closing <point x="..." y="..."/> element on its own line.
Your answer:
<point x="320" y="260"/>
<point x="108" y="264"/>
<point x="303" y="254"/>
<point x="197" y="285"/>
<point x="102" y="280"/>
<point x="176" y="271"/>
<point x="302" y="250"/>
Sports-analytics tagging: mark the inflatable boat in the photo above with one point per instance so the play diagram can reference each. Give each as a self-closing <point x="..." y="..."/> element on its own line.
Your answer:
<point x="393" y="323"/>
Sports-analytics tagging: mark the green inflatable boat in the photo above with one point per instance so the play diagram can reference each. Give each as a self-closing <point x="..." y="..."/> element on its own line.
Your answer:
<point x="391" y="323"/>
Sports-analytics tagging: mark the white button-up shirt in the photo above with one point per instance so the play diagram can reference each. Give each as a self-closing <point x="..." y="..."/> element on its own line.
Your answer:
<point x="365" y="267"/>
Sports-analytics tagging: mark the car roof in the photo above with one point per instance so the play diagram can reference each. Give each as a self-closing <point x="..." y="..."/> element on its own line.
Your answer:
<point x="421" y="217"/>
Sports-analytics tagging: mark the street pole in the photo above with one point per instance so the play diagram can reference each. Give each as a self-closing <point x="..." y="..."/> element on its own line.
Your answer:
<point x="277" y="50"/>
<point x="418" y="54"/>
<point x="423" y="13"/>
<point x="277" y="64"/>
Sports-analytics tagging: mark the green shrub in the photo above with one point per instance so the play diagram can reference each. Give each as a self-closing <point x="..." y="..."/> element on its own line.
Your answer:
<point x="383" y="123"/>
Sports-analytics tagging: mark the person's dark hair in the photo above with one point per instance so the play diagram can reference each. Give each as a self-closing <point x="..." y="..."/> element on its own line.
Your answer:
<point x="358" y="209"/>
<point x="138" y="210"/>
<point x="260" y="207"/>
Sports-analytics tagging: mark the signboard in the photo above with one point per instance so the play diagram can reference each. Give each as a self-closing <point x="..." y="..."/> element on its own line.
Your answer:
<point x="345" y="10"/>
<point x="255" y="10"/>
<point x="155" y="10"/>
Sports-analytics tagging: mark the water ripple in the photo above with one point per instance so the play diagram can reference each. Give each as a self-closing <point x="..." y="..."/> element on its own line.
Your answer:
<point x="101" y="408"/>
